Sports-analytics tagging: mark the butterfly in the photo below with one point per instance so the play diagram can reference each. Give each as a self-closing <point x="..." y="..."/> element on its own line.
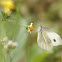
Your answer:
<point x="47" y="38"/>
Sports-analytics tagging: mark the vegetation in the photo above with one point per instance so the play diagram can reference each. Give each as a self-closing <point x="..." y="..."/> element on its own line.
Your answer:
<point x="18" y="38"/>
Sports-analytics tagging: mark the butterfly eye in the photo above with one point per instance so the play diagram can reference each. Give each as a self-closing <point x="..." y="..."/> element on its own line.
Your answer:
<point x="54" y="40"/>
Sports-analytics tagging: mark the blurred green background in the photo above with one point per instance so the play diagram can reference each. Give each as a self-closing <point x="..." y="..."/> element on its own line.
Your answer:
<point x="47" y="13"/>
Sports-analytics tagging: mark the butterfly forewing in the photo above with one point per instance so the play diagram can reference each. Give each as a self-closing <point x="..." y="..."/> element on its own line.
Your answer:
<point x="54" y="37"/>
<point x="44" y="41"/>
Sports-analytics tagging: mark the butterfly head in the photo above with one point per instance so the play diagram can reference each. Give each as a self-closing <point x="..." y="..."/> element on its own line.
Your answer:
<point x="40" y="29"/>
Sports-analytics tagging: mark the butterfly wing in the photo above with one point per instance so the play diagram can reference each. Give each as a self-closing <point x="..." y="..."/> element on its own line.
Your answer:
<point x="43" y="40"/>
<point x="54" y="37"/>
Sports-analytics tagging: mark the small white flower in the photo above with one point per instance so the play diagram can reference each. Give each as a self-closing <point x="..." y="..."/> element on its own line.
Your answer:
<point x="5" y="39"/>
<point x="6" y="46"/>
<point x="14" y="44"/>
<point x="30" y="27"/>
<point x="10" y="45"/>
<point x="10" y="42"/>
<point x="31" y="24"/>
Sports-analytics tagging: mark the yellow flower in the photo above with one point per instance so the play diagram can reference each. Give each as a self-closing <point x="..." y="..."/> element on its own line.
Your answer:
<point x="30" y="27"/>
<point x="8" y="6"/>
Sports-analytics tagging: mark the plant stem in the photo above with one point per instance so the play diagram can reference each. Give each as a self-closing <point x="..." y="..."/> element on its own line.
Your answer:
<point x="19" y="24"/>
<point x="10" y="56"/>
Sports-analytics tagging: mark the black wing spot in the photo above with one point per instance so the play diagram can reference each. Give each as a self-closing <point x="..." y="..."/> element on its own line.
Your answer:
<point x="54" y="40"/>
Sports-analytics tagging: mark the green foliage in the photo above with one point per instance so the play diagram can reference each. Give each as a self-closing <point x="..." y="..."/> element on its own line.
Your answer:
<point x="2" y="54"/>
<point x="47" y="14"/>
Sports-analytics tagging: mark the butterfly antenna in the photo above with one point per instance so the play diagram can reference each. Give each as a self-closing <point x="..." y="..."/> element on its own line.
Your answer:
<point x="41" y="27"/>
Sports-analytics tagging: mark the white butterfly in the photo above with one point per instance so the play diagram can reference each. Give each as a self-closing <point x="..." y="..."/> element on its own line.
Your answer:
<point x="47" y="38"/>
